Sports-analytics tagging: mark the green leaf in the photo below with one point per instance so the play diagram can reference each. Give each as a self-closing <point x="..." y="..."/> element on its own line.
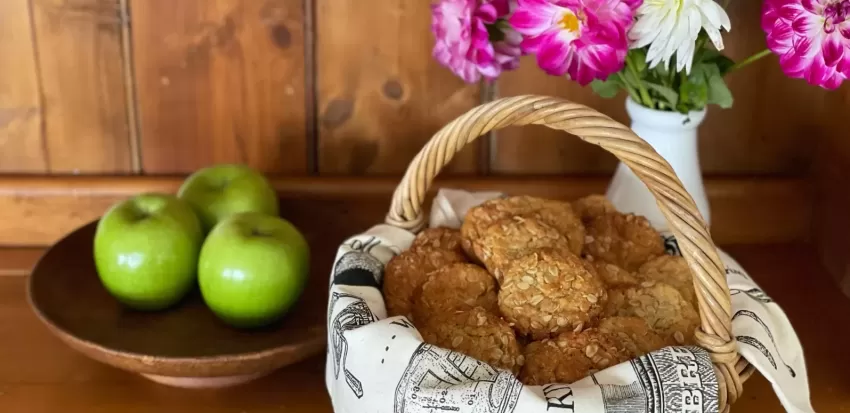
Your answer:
<point x="638" y="57"/>
<point x="718" y="93"/>
<point x="667" y="93"/>
<point x="606" y="88"/>
<point x="722" y="62"/>
<point x="693" y="91"/>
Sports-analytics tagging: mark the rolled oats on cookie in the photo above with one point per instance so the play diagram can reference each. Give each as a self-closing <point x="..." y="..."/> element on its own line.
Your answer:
<point x="406" y="272"/>
<point x="625" y="240"/>
<point x="673" y="270"/>
<point x="556" y="214"/>
<point x="612" y="275"/>
<point x="634" y="332"/>
<point x="455" y="287"/>
<point x="513" y="237"/>
<point x="592" y="206"/>
<point x="660" y="305"/>
<point x="440" y="237"/>
<point x="478" y="334"/>
<point x="571" y="356"/>
<point x="548" y="291"/>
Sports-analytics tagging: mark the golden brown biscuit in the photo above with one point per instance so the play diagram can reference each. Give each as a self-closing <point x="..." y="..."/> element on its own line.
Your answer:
<point x="634" y="332"/>
<point x="405" y="273"/>
<point x="660" y="305"/>
<point x="612" y="275"/>
<point x="443" y="238"/>
<point x="672" y="270"/>
<point x="455" y="287"/>
<point x="513" y="237"/>
<point x="592" y="206"/>
<point x="625" y="240"/>
<point x="478" y="334"/>
<point x="549" y="291"/>
<point x="571" y="356"/>
<point x="556" y="214"/>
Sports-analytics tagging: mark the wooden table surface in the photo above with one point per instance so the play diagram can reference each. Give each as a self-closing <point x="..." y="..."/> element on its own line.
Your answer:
<point x="38" y="374"/>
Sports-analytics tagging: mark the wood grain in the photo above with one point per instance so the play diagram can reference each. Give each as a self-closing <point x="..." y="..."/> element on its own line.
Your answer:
<point x="82" y="77"/>
<point x="21" y="143"/>
<point x="220" y="81"/>
<point x="41" y="375"/>
<point x="381" y="95"/>
<point x="766" y="132"/>
<point x="38" y="211"/>
<point x="831" y="170"/>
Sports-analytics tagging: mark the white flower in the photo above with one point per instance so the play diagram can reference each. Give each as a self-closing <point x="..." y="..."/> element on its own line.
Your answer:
<point x="672" y="26"/>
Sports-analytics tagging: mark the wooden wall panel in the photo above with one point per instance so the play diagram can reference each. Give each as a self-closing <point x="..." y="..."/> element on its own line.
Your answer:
<point x="21" y="143"/>
<point x="82" y="79"/>
<point x="766" y="131"/>
<point x="220" y="81"/>
<point x="380" y="93"/>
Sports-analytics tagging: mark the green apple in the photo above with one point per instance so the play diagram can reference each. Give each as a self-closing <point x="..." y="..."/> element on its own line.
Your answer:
<point x="146" y="250"/>
<point x="252" y="269"/>
<point x="216" y="192"/>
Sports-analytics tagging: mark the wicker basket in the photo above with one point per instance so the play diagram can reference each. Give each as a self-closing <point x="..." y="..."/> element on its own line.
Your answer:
<point x="714" y="333"/>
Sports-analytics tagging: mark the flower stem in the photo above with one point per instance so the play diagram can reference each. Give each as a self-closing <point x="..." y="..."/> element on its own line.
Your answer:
<point x="749" y="60"/>
<point x="644" y="94"/>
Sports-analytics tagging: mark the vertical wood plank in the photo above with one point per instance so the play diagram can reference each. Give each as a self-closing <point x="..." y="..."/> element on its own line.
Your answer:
<point x="82" y="78"/>
<point x="220" y="81"/>
<point x="381" y="95"/>
<point x="21" y="144"/>
<point x="765" y="132"/>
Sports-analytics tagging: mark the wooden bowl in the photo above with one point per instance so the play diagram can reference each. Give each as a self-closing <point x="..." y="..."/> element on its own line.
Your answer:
<point x="185" y="345"/>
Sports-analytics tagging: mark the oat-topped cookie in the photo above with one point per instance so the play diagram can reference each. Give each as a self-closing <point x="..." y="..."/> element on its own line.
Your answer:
<point x="660" y="305"/>
<point x="571" y="356"/>
<point x="633" y="332"/>
<point x="442" y="238"/>
<point x="625" y="240"/>
<point x="612" y="275"/>
<point x="672" y="270"/>
<point x="476" y="333"/>
<point x="455" y="287"/>
<point x="556" y="214"/>
<point x="514" y="237"/>
<point x="406" y="272"/>
<point x="549" y="291"/>
<point x="592" y="206"/>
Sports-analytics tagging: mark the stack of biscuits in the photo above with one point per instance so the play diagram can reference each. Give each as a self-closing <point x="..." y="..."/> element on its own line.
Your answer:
<point x="549" y="290"/>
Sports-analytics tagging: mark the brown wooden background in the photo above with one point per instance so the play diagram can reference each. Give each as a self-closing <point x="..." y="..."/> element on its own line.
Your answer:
<point x="321" y="87"/>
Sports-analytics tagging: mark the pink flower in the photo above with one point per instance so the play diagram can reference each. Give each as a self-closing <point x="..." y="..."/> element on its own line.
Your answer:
<point x="811" y="37"/>
<point x="585" y="39"/>
<point x="473" y="39"/>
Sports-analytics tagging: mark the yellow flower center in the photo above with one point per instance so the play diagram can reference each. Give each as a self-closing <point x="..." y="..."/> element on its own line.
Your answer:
<point x="569" y="21"/>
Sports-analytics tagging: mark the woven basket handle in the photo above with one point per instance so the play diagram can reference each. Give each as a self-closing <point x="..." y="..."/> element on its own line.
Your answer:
<point x="591" y="126"/>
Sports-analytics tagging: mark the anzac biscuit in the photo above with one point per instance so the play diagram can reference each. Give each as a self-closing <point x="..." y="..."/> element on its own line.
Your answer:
<point x="406" y="272"/>
<point x="625" y="240"/>
<point x="592" y="206"/>
<point x="660" y="305"/>
<point x="548" y="291"/>
<point x="634" y="332"/>
<point x="514" y="237"/>
<point x="478" y="334"/>
<point x="442" y="238"/>
<point x="556" y="214"/>
<point x="571" y="356"/>
<point x="672" y="270"/>
<point x="612" y="275"/>
<point x="455" y="287"/>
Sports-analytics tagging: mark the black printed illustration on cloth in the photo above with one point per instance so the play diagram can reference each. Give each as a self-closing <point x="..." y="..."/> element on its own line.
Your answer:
<point x="437" y="380"/>
<point x="754" y="293"/>
<point x="759" y="345"/>
<point x="355" y="314"/>
<point x="672" y="379"/>
<point x="671" y="246"/>
<point x="359" y="267"/>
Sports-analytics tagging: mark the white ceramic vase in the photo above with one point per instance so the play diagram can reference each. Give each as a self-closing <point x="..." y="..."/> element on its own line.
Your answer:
<point x="674" y="137"/>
